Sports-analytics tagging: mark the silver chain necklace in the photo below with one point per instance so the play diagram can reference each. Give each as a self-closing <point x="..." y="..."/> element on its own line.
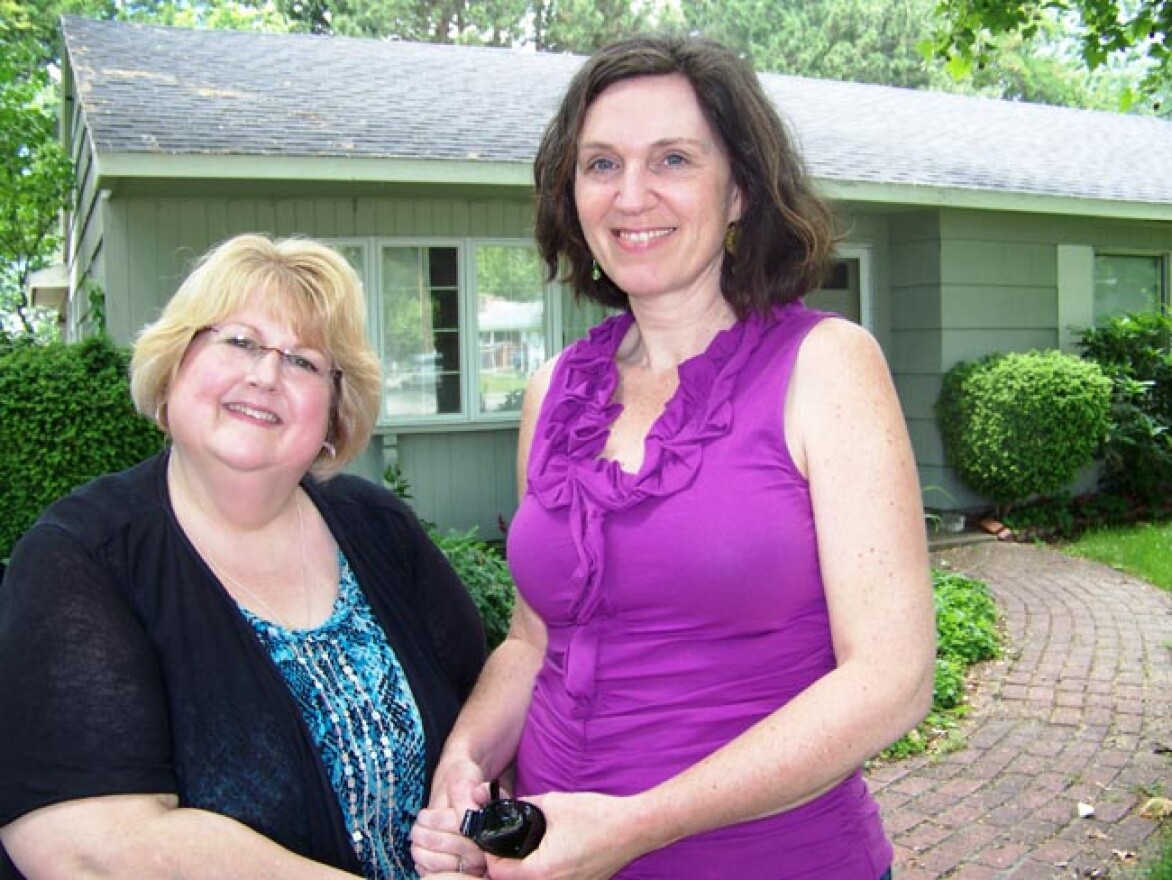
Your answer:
<point x="262" y="605"/>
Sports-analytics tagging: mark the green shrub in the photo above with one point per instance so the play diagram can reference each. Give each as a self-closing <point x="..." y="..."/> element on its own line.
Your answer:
<point x="1022" y="424"/>
<point x="486" y="575"/>
<point x="65" y="418"/>
<point x="966" y="618"/>
<point x="478" y="563"/>
<point x="1133" y="350"/>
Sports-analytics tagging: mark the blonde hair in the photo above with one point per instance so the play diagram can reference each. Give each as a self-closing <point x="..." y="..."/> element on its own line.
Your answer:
<point x="300" y="281"/>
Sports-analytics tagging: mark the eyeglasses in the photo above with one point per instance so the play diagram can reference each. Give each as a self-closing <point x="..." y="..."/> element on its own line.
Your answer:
<point x="504" y="826"/>
<point x="236" y="345"/>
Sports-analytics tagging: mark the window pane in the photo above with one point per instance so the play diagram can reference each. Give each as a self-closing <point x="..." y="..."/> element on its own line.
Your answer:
<point x="842" y="291"/>
<point x="421" y="330"/>
<point x="355" y="255"/>
<point x="510" y="317"/>
<point x="1127" y="284"/>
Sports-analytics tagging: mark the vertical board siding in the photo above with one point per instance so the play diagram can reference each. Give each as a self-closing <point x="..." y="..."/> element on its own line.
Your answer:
<point x="913" y="342"/>
<point x="462" y="480"/>
<point x="948" y="285"/>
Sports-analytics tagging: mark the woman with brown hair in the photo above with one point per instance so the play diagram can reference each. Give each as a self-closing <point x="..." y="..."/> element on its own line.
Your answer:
<point x="725" y="605"/>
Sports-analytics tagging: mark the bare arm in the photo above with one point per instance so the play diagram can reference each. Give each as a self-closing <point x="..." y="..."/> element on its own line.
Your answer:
<point x="846" y="431"/>
<point x="146" y="837"/>
<point x="849" y="435"/>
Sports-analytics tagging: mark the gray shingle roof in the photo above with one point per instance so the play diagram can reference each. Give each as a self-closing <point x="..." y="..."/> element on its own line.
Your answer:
<point x="169" y="91"/>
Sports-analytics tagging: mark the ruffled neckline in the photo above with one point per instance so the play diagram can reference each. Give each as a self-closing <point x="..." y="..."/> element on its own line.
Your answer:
<point x="566" y="472"/>
<point x="581" y="409"/>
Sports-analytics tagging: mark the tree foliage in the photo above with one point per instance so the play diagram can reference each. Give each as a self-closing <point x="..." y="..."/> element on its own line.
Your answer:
<point x="873" y="41"/>
<point x="546" y="25"/>
<point x="1105" y="32"/>
<point x="892" y="42"/>
<point x="36" y="179"/>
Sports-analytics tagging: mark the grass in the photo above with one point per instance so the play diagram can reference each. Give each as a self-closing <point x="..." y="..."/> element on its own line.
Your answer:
<point x="1159" y="866"/>
<point x="1144" y="550"/>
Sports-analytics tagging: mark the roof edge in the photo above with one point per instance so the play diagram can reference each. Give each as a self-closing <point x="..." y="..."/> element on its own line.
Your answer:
<point x="924" y="196"/>
<point x="342" y="169"/>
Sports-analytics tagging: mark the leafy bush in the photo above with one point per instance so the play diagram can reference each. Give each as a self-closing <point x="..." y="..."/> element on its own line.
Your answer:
<point x="1133" y="350"/>
<point x="486" y="575"/>
<point x="478" y="563"/>
<point x="65" y="418"/>
<point x="966" y="618"/>
<point x="1022" y="424"/>
<point x="948" y="688"/>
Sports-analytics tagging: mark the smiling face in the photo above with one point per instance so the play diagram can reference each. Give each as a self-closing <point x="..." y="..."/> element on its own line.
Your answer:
<point x="228" y="408"/>
<point x="654" y="188"/>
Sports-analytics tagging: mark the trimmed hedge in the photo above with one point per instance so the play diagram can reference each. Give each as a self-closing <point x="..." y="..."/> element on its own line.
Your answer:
<point x="1021" y="425"/>
<point x="65" y="418"/>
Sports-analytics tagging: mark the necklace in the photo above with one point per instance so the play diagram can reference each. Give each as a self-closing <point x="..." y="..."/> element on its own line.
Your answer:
<point x="261" y="604"/>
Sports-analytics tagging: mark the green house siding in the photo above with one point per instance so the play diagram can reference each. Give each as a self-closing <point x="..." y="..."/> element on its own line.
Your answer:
<point x="945" y="285"/>
<point x="965" y="284"/>
<point x="460" y="479"/>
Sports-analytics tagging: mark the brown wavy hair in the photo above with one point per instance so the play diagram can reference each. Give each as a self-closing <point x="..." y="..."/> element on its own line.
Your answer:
<point x="787" y="232"/>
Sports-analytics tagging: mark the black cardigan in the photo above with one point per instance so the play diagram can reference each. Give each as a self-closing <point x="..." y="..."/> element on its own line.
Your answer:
<point x="126" y="668"/>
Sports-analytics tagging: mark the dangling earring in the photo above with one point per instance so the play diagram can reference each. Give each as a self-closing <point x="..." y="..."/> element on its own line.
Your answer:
<point x="595" y="271"/>
<point x="731" y="236"/>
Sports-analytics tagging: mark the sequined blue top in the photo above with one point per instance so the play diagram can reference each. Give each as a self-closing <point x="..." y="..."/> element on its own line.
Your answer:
<point x="362" y="716"/>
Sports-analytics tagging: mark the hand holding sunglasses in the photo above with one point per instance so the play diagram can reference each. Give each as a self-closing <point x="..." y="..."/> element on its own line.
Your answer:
<point x="504" y="826"/>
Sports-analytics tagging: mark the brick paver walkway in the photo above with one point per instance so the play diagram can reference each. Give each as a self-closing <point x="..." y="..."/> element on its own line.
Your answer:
<point x="1079" y="710"/>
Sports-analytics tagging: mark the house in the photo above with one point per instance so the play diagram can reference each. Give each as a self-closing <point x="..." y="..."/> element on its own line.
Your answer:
<point x="974" y="225"/>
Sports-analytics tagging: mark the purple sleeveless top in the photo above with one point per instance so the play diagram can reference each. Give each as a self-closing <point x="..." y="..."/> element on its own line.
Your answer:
<point x="682" y="603"/>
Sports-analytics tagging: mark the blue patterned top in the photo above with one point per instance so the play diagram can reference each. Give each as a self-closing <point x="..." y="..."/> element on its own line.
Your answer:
<point x="361" y="714"/>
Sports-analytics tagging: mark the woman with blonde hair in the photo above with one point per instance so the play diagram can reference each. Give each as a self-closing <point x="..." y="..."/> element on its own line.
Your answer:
<point x="234" y="660"/>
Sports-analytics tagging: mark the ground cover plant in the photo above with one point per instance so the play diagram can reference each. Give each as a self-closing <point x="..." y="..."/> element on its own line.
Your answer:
<point x="966" y="634"/>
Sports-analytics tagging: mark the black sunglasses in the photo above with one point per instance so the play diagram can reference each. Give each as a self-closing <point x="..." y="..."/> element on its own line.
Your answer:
<point x="504" y="826"/>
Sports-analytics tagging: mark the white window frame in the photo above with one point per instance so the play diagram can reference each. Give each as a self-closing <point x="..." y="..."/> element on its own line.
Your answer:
<point x="862" y="253"/>
<point x="1165" y="273"/>
<point x="469" y="333"/>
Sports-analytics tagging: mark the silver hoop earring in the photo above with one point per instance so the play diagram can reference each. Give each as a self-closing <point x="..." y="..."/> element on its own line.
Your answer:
<point x="330" y="449"/>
